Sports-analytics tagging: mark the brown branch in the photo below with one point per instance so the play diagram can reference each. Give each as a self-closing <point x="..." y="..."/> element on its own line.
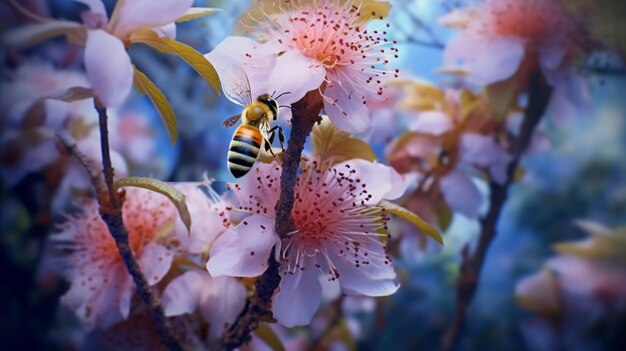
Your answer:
<point x="259" y="308"/>
<point x="539" y="93"/>
<point x="111" y="213"/>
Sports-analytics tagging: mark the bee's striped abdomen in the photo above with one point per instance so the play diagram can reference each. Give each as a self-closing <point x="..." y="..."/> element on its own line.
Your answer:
<point x="244" y="150"/>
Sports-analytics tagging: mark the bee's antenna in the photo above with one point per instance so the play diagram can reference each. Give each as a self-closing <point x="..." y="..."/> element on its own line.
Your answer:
<point x="273" y="93"/>
<point x="285" y="93"/>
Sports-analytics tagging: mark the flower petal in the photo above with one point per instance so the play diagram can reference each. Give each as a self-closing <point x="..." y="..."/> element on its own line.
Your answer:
<point x="345" y="111"/>
<point x="374" y="279"/>
<point x="108" y="67"/>
<point x="244" y="53"/>
<point x="381" y="181"/>
<point x="461" y="194"/>
<point x="155" y="261"/>
<point x="206" y="222"/>
<point x="139" y="13"/>
<point x="431" y="122"/>
<point x="488" y="59"/>
<point x="298" y="298"/>
<point x="484" y="151"/>
<point x="183" y="293"/>
<point x="243" y="251"/>
<point x="168" y="30"/>
<point x="296" y="74"/>
<point x="223" y="299"/>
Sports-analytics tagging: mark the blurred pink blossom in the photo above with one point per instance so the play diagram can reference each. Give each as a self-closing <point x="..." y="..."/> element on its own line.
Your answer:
<point x="337" y="219"/>
<point x="512" y="39"/>
<point x="325" y="47"/>
<point x="220" y="300"/>
<point x="101" y="288"/>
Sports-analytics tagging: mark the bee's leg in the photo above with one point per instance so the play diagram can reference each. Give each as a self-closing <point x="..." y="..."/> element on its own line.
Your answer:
<point x="268" y="145"/>
<point x="281" y="136"/>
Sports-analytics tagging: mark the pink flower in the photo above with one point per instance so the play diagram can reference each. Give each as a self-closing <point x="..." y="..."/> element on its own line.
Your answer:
<point x="101" y="288"/>
<point x="513" y="39"/>
<point x="220" y="300"/>
<point x="501" y="34"/>
<point x="337" y="235"/>
<point x="325" y="47"/>
<point x="107" y="63"/>
<point x="27" y="132"/>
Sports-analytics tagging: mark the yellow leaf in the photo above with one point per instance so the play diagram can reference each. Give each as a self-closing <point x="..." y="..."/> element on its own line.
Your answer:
<point x="72" y="94"/>
<point x="184" y="51"/>
<point x="412" y="218"/>
<point x="269" y="337"/>
<point x="599" y="245"/>
<point x="539" y="292"/>
<point x="175" y="195"/>
<point x="444" y="216"/>
<point x="197" y="12"/>
<point x="330" y="143"/>
<point x="419" y="95"/>
<point x="372" y="9"/>
<point x="147" y="87"/>
<point x="34" y="33"/>
<point x="502" y="96"/>
<point x="260" y="10"/>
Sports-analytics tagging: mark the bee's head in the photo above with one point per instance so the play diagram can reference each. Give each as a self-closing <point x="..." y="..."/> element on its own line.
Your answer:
<point x="270" y="103"/>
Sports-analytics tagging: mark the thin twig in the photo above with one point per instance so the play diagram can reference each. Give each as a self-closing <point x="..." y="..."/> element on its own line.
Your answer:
<point x="539" y="93"/>
<point x="111" y="213"/>
<point x="259" y="308"/>
<point x="92" y="171"/>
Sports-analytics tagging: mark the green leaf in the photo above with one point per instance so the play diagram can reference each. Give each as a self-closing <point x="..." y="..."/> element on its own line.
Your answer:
<point x="147" y="87"/>
<point x="34" y="33"/>
<point x="265" y="333"/>
<point x="184" y="51"/>
<point x="175" y="195"/>
<point x="196" y="12"/>
<point x="330" y="143"/>
<point x="412" y="218"/>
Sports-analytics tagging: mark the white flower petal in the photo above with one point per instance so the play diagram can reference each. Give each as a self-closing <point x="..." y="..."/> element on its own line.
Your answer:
<point x="431" y="122"/>
<point x="482" y="150"/>
<point x="223" y="299"/>
<point x="298" y="298"/>
<point x="155" y="261"/>
<point x="135" y="14"/>
<point x="168" y="31"/>
<point x="488" y="59"/>
<point x="296" y="74"/>
<point x="461" y="193"/>
<point x="374" y="279"/>
<point x="246" y="54"/>
<point x="382" y="182"/>
<point x="183" y="293"/>
<point x="243" y="251"/>
<point x="108" y="66"/>
<point x="345" y="111"/>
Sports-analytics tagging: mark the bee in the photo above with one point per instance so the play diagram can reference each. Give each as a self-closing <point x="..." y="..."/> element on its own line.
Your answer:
<point x="254" y="131"/>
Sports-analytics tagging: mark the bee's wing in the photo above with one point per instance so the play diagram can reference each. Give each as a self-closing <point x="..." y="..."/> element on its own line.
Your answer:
<point x="237" y="87"/>
<point x="231" y="121"/>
